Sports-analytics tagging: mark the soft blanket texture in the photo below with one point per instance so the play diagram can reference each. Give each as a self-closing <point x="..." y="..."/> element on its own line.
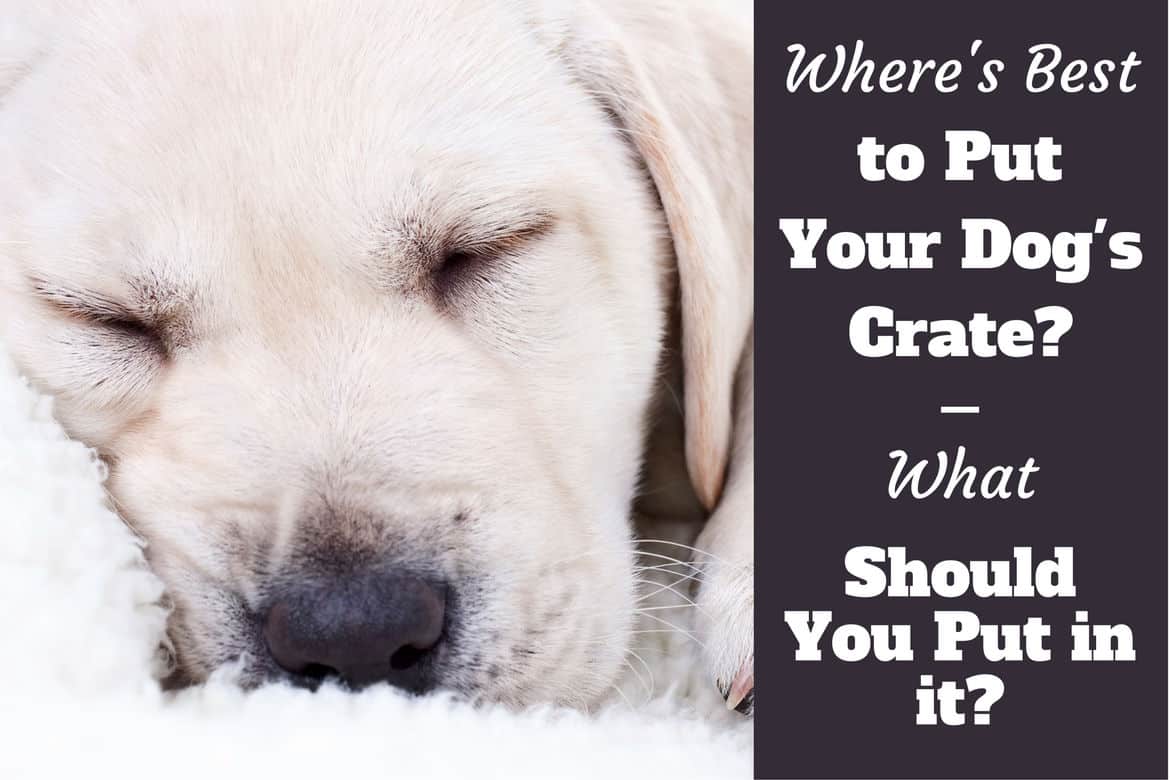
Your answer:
<point x="79" y="629"/>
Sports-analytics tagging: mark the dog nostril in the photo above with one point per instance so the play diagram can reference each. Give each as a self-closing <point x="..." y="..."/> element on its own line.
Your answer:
<point x="406" y="657"/>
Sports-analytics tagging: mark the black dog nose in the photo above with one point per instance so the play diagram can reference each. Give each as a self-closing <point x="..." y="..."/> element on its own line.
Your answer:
<point x="363" y="629"/>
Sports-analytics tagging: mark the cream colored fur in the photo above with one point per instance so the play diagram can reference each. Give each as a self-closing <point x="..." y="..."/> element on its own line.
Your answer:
<point x="223" y="230"/>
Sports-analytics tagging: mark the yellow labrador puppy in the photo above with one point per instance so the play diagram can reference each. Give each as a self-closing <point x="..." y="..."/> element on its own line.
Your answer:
<point x="384" y="313"/>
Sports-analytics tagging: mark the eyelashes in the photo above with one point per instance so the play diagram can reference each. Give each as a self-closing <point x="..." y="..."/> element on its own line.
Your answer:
<point x="479" y="258"/>
<point x="124" y="323"/>
<point x="460" y="270"/>
<point x="120" y="323"/>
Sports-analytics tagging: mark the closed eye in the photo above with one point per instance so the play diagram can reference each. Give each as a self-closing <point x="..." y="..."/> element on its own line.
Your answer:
<point x="472" y="254"/>
<point x="99" y="310"/>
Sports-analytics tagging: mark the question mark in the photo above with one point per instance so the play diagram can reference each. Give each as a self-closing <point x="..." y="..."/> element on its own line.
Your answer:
<point x="992" y="687"/>
<point x="1061" y="319"/>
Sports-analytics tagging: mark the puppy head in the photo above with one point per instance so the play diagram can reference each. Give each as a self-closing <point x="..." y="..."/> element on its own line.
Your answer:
<point x="364" y="309"/>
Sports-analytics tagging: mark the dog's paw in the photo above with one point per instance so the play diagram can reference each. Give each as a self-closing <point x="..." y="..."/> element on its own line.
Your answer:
<point x="724" y="615"/>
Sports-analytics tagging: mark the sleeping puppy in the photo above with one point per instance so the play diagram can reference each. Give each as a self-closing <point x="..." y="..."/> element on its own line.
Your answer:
<point x="389" y="318"/>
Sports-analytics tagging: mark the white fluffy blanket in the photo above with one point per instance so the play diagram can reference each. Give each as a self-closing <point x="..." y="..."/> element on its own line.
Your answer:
<point x="79" y="628"/>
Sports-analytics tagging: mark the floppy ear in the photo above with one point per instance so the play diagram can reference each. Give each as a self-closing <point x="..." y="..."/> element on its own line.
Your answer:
<point x="678" y="80"/>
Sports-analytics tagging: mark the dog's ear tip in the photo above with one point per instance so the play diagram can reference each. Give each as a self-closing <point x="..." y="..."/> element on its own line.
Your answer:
<point x="707" y="464"/>
<point x="709" y="496"/>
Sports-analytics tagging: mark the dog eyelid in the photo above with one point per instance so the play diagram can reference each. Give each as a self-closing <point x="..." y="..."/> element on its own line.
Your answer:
<point x="501" y="239"/>
<point x="470" y="254"/>
<point x="82" y="303"/>
<point x="95" y="308"/>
